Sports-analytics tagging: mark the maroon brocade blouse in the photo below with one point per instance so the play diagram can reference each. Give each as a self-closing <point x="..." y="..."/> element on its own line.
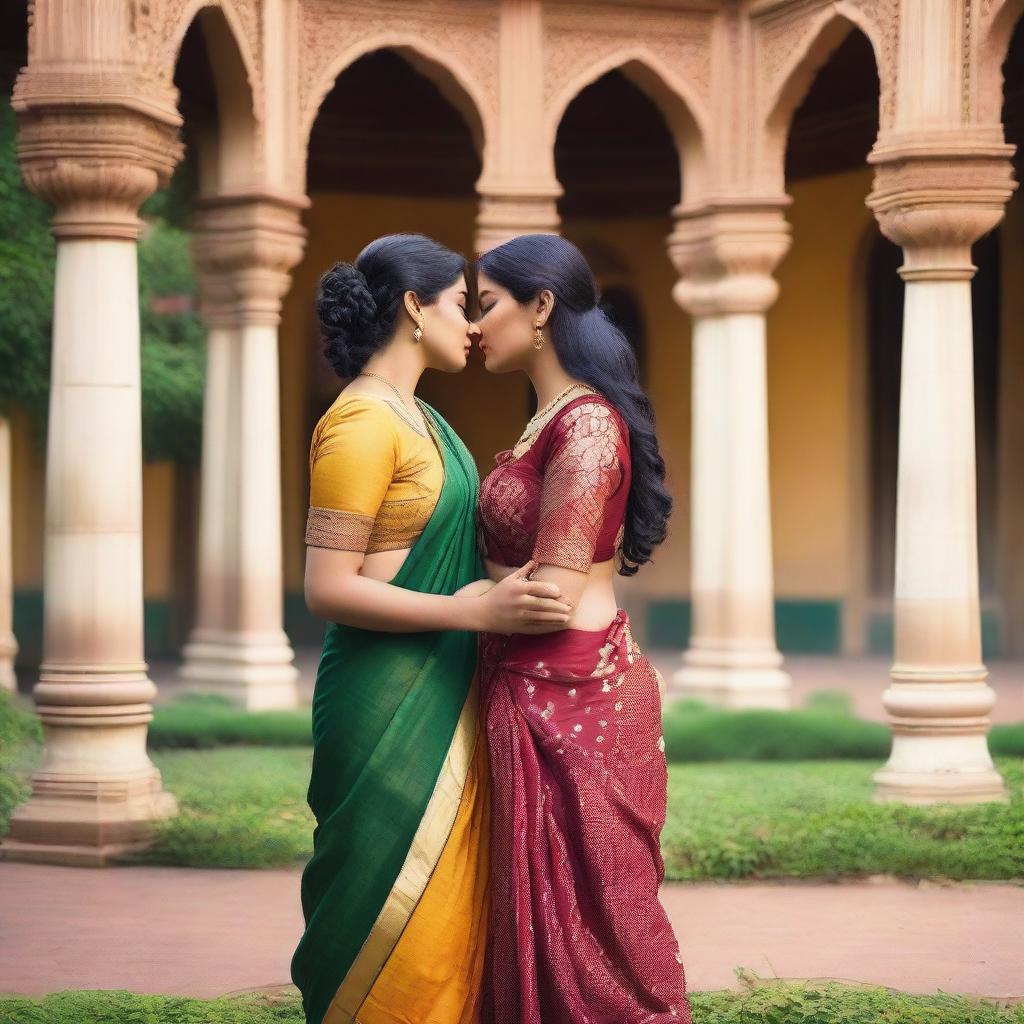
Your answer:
<point x="560" y="497"/>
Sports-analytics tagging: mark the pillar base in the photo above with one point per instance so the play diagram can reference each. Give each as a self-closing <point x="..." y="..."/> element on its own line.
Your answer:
<point x="920" y="788"/>
<point x="729" y="684"/>
<point x="86" y="821"/>
<point x="256" y="676"/>
<point x="940" y="738"/>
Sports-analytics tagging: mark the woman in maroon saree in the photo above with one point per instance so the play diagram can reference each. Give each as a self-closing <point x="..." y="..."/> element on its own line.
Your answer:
<point x="573" y="718"/>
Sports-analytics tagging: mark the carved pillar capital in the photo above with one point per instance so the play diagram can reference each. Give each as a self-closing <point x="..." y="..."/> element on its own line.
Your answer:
<point x="92" y="151"/>
<point x="245" y="245"/>
<point x="726" y="250"/>
<point x="515" y="210"/>
<point x="936" y="193"/>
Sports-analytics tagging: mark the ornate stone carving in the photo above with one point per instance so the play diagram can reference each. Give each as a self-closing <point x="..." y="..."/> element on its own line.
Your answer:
<point x="786" y="27"/>
<point x="156" y="28"/>
<point x="987" y="30"/>
<point x="245" y="244"/>
<point x="578" y="39"/>
<point x="726" y="252"/>
<point x="779" y="30"/>
<point x="153" y="30"/>
<point x="94" y="165"/>
<point x="936" y="194"/>
<point x="466" y="44"/>
<point x="150" y="33"/>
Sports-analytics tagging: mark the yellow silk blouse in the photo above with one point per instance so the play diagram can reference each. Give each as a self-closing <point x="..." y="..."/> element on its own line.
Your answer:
<point x="374" y="479"/>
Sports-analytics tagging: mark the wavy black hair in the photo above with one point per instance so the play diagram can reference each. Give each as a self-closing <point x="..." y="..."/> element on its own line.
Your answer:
<point x="358" y="303"/>
<point x="592" y="349"/>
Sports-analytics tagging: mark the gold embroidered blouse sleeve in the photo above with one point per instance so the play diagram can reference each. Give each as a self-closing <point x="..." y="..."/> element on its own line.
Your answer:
<point x="352" y="461"/>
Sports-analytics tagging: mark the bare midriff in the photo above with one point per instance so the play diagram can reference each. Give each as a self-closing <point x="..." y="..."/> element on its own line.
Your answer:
<point x="597" y="605"/>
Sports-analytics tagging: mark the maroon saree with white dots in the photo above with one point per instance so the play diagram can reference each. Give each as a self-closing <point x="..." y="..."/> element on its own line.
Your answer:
<point x="577" y="932"/>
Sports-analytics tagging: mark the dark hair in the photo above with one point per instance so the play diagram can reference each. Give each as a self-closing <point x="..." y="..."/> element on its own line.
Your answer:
<point x="592" y="349"/>
<point x="358" y="303"/>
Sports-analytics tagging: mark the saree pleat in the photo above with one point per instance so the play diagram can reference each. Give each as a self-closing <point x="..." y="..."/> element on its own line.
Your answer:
<point x="394" y="727"/>
<point x="577" y="932"/>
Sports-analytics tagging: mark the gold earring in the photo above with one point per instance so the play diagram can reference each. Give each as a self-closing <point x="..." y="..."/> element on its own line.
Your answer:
<point x="538" y="338"/>
<point x="418" y="333"/>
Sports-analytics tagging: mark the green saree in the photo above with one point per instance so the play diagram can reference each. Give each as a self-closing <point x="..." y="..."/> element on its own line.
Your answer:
<point x="391" y="714"/>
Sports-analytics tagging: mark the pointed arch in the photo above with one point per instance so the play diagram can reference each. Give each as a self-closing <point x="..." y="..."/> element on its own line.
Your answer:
<point x="992" y="54"/>
<point x="667" y="91"/>
<point x="461" y="91"/>
<point x="228" y="156"/>
<point x="797" y="76"/>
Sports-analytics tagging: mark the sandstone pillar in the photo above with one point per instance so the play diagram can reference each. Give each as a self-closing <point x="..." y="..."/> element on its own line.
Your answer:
<point x="95" y="792"/>
<point x="935" y="193"/>
<point x="245" y="245"/>
<point x="725" y="254"/>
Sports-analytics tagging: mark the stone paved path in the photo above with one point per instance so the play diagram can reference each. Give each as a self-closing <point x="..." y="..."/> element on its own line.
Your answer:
<point x="208" y="932"/>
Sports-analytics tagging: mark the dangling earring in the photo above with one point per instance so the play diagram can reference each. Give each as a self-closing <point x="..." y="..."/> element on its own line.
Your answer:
<point x="418" y="333"/>
<point x="538" y="338"/>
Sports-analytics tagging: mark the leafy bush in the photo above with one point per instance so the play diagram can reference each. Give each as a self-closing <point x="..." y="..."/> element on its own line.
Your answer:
<point x="1007" y="740"/>
<point x="824" y="728"/>
<point x="27" y="254"/>
<point x="696" y="732"/>
<point x="202" y="721"/>
<point x="173" y="347"/>
<point x="172" y="338"/>
<point x="20" y="736"/>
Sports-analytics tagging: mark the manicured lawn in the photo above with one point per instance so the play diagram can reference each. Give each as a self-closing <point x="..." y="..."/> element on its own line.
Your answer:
<point x="240" y="807"/>
<point x="763" y="1003"/>
<point x="816" y="818"/>
<point x="245" y="806"/>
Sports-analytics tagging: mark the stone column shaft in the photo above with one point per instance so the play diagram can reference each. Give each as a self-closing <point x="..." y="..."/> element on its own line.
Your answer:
<point x="935" y="193"/>
<point x="245" y="245"/>
<point x="95" y="792"/>
<point x="725" y="254"/>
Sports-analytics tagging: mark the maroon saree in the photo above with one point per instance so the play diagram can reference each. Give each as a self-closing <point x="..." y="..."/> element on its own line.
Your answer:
<point x="577" y="932"/>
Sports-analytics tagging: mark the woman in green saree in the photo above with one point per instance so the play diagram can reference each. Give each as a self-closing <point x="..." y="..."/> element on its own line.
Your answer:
<point x="395" y="896"/>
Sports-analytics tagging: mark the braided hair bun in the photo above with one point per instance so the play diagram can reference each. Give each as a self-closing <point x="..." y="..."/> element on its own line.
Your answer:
<point x="348" y="318"/>
<point x="358" y="304"/>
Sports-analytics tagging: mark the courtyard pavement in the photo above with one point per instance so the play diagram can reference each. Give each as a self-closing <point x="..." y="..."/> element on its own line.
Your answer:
<point x="203" y="932"/>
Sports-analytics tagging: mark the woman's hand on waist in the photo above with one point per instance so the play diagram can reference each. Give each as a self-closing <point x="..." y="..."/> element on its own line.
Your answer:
<point x="519" y="605"/>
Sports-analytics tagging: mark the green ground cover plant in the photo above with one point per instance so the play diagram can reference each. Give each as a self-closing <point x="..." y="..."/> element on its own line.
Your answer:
<point x="760" y="1002"/>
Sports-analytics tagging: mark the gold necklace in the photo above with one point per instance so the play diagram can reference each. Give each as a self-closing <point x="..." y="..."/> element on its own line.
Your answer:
<point x="422" y="428"/>
<point x="540" y="418"/>
<point x="554" y="401"/>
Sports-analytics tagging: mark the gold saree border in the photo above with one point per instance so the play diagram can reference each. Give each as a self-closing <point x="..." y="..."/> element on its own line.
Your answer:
<point x="427" y="846"/>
